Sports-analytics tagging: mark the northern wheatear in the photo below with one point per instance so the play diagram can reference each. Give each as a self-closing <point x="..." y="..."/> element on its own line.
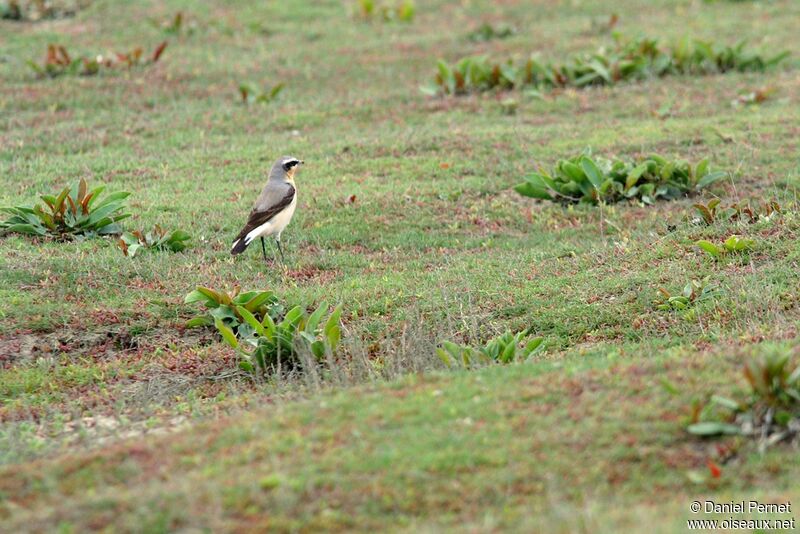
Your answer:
<point x="274" y="208"/>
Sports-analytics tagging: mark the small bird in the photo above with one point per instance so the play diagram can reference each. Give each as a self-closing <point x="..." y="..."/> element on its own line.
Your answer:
<point x="274" y="208"/>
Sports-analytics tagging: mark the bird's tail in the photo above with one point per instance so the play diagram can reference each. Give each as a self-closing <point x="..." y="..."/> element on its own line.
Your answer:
<point x="238" y="246"/>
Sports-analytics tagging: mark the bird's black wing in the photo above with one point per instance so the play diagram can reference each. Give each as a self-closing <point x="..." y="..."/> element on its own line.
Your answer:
<point x="257" y="218"/>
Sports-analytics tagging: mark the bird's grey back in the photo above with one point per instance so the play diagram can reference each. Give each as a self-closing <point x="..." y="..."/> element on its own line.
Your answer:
<point x="277" y="187"/>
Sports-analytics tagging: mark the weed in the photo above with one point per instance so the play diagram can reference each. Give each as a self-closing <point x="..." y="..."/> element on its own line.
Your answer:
<point x="733" y="245"/>
<point x="251" y="94"/>
<point x="58" y="61"/>
<point x="712" y="212"/>
<point x="693" y="293"/>
<point x="177" y="25"/>
<point x="33" y="10"/>
<point x="636" y="59"/>
<point x="227" y="307"/>
<point x="770" y="414"/>
<point x="588" y="179"/>
<point x="264" y="345"/>
<point x="487" y="32"/>
<point x="603" y="25"/>
<point x="505" y="348"/>
<point x="75" y="211"/>
<point x="402" y="11"/>
<point x="157" y="239"/>
<point x="753" y="97"/>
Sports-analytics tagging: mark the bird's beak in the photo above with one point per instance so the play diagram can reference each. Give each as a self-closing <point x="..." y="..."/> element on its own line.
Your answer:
<point x="302" y="162"/>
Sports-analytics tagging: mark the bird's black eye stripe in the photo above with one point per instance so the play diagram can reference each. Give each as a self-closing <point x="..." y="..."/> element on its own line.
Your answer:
<point x="289" y="164"/>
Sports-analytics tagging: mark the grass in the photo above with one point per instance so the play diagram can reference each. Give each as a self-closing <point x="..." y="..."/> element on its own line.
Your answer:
<point x="408" y="219"/>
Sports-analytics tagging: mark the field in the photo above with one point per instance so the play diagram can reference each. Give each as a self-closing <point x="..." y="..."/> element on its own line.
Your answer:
<point x="114" y="416"/>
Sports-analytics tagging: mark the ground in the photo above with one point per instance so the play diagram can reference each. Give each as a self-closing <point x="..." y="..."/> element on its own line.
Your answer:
<point x="114" y="414"/>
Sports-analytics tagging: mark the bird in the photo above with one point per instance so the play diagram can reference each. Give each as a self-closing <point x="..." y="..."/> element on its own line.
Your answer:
<point x="274" y="208"/>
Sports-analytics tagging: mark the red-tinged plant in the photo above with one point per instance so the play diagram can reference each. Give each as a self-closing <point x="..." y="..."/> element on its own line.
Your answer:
<point x="74" y="211"/>
<point x="59" y="62"/>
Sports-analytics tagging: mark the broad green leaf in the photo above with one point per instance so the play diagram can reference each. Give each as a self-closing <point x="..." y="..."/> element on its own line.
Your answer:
<point x="251" y="320"/>
<point x="711" y="248"/>
<point x="333" y="329"/>
<point x="592" y="172"/>
<point x="712" y="428"/>
<point x="227" y="334"/>
<point x="316" y="317"/>
<point x="711" y="178"/>
<point x="634" y="175"/>
<point x="199" y="321"/>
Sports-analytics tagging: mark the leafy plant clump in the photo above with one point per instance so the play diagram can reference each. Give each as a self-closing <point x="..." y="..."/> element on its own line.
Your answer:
<point x="770" y="413"/>
<point x="34" y="10"/>
<point x="177" y="25"/>
<point x="58" y="61"/>
<point x="402" y="11"/>
<point x="712" y="212"/>
<point x="505" y="348"/>
<point x="632" y="60"/>
<point x="75" y="211"/>
<point x="264" y="346"/>
<point x="487" y="32"/>
<point x="227" y="307"/>
<point x="733" y="245"/>
<point x="592" y="180"/>
<point x="692" y="294"/>
<point x="157" y="239"/>
<point x="251" y="94"/>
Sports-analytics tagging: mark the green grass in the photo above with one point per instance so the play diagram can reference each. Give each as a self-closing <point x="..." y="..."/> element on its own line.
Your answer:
<point x="435" y="246"/>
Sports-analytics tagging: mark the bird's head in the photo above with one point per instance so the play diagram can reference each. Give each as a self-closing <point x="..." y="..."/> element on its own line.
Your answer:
<point x="286" y="166"/>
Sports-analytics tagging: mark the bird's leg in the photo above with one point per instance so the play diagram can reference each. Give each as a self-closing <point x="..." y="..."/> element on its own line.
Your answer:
<point x="278" y="241"/>
<point x="263" y="248"/>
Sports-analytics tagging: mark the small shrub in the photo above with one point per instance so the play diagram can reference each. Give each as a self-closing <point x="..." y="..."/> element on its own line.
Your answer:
<point x="227" y="307"/>
<point x="632" y="60"/>
<point x="753" y="97"/>
<point x="157" y="239"/>
<point x="251" y="94"/>
<point x="733" y="245"/>
<point x="487" y="32"/>
<point x="712" y="213"/>
<point x="267" y="345"/>
<point x="603" y="25"/>
<point x="693" y="293"/>
<point x="402" y="11"/>
<point x="34" y="10"/>
<point x="505" y="348"/>
<point x="58" y="61"/>
<point x="592" y="180"/>
<point x="177" y="25"/>
<point x="771" y="412"/>
<point x="75" y="211"/>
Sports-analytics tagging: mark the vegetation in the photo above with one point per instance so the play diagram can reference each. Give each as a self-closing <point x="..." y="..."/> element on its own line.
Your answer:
<point x="487" y="32"/>
<point x="34" y="10"/>
<point x="693" y="293"/>
<point x="227" y="307"/>
<point x="626" y="60"/>
<point x="402" y="10"/>
<point x="712" y="212"/>
<point x="58" y="62"/>
<point x="771" y="413"/>
<point x="593" y="180"/>
<point x="266" y="346"/>
<point x="733" y="245"/>
<point x="115" y="417"/>
<point x="75" y="211"/>
<point x="251" y="94"/>
<point x="157" y="239"/>
<point x="505" y="348"/>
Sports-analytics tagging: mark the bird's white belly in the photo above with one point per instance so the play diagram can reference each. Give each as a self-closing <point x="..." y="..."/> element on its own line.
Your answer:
<point x="275" y="225"/>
